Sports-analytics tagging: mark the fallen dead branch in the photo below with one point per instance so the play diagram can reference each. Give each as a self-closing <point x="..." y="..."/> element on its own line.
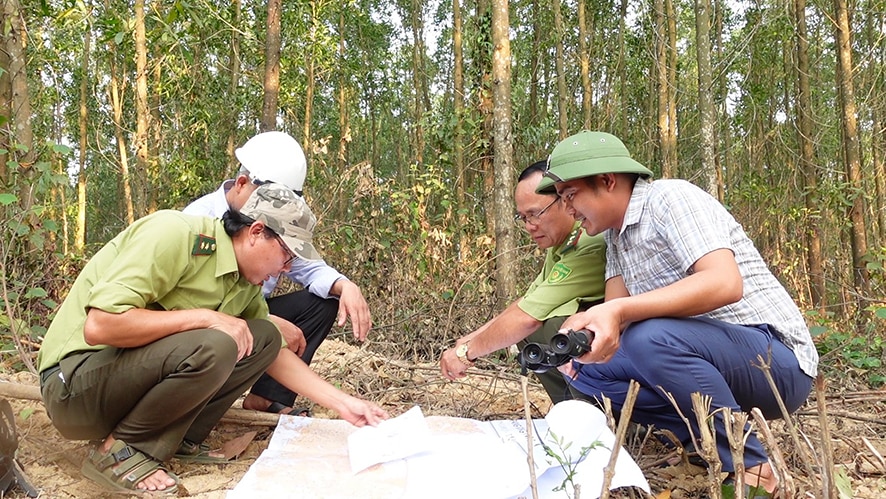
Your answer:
<point x="234" y="414"/>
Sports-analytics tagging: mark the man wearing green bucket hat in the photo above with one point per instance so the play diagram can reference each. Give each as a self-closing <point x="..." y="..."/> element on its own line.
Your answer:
<point x="690" y="304"/>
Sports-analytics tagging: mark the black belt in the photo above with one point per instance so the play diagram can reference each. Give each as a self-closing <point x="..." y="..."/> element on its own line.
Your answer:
<point x="45" y="375"/>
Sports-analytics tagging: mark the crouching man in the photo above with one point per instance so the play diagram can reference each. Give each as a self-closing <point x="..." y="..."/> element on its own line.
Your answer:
<point x="166" y="327"/>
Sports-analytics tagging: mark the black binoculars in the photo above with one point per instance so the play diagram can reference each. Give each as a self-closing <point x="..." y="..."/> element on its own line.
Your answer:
<point x="563" y="347"/>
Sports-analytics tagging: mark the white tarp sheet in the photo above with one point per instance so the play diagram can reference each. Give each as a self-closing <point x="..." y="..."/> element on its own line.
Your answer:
<point x="436" y="457"/>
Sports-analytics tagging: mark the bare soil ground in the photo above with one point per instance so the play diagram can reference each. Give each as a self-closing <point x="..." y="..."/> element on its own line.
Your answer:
<point x="855" y="424"/>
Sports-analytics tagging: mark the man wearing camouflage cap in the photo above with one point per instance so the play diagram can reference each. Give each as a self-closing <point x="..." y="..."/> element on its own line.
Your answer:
<point x="690" y="305"/>
<point x="166" y="327"/>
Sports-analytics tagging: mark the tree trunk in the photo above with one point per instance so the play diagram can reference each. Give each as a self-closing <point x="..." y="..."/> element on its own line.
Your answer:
<point x="584" y="57"/>
<point x="233" y="87"/>
<point x="80" y="232"/>
<point x="707" y="115"/>
<point x="619" y="104"/>
<point x="18" y="126"/>
<point x="505" y="241"/>
<point x="273" y="43"/>
<point x="116" y="90"/>
<point x="310" y="84"/>
<point x="560" y="63"/>
<point x="418" y="70"/>
<point x="535" y="64"/>
<point x="874" y="32"/>
<point x="851" y="148"/>
<point x="458" y="97"/>
<point x="344" y="124"/>
<point x="661" y="65"/>
<point x="483" y="72"/>
<point x="814" y="260"/>
<point x="671" y="86"/>
<point x="149" y="203"/>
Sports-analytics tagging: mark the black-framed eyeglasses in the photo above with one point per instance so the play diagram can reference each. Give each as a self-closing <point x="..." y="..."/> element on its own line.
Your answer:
<point x="292" y="256"/>
<point x="535" y="218"/>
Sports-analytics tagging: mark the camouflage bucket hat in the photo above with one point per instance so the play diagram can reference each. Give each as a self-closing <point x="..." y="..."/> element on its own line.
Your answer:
<point x="287" y="214"/>
<point x="586" y="154"/>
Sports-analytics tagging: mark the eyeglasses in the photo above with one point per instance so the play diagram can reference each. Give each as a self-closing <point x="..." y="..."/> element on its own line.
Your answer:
<point x="535" y="218"/>
<point x="291" y="256"/>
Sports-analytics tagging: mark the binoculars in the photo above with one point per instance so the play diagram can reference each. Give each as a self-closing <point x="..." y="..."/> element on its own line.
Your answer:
<point x="563" y="347"/>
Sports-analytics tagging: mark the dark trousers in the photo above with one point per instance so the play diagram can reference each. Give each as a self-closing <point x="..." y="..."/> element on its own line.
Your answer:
<point x="153" y="397"/>
<point x="314" y="316"/>
<point x="688" y="355"/>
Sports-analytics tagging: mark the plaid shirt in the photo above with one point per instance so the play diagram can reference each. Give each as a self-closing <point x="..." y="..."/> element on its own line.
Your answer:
<point x="668" y="226"/>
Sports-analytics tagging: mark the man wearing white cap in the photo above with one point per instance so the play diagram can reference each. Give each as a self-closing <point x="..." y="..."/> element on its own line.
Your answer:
<point x="166" y="327"/>
<point x="306" y="316"/>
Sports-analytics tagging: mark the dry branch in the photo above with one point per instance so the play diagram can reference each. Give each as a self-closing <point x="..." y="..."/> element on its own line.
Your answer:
<point x="234" y="415"/>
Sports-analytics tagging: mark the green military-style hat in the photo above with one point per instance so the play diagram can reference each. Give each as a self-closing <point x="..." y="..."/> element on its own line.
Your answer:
<point x="585" y="154"/>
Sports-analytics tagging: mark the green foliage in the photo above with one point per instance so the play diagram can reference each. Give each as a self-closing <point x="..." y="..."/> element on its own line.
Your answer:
<point x="569" y="464"/>
<point x="28" y="257"/>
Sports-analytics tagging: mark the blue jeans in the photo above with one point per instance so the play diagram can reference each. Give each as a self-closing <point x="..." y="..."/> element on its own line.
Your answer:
<point x="686" y="355"/>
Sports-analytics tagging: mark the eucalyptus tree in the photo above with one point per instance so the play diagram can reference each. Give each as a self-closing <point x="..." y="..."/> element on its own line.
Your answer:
<point x="851" y="146"/>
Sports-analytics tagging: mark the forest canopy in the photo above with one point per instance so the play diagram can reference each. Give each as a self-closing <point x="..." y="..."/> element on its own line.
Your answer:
<point x="112" y="110"/>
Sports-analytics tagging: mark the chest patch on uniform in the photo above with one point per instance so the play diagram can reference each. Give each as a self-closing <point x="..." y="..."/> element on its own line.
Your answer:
<point x="203" y="245"/>
<point x="559" y="272"/>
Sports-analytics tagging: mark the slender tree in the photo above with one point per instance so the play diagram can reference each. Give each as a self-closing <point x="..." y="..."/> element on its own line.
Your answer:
<point x="707" y="115"/>
<point x="18" y="127"/>
<point x="560" y="63"/>
<point x="273" y="44"/>
<point x="83" y="121"/>
<point x="142" y="160"/>
<point x="233" y="86"/>
<point x="811" y="199"/>
<point x="458" y="97"/>
<point x="584" y="58"/>
<point x="851" y="147"/>
<point x="505" y="241"/>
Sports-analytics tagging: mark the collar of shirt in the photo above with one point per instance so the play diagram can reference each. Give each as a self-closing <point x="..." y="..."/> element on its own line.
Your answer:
<point x="636" y="204"/>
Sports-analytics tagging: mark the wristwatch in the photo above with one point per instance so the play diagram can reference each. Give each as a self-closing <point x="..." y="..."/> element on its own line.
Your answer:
<point x="461" y="352"/>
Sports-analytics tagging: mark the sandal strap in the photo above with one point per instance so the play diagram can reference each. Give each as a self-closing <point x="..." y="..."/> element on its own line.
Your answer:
<point x="125" y="463"/>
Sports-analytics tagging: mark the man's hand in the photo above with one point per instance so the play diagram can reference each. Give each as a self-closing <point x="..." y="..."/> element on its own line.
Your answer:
<point x="351" y="304"/>
<point x="294" y="336"/>
<point x="361" y="412"/>
<point x="234" y="327"/>
<point x="605" y="321"/>
<point x="450" y="367"/>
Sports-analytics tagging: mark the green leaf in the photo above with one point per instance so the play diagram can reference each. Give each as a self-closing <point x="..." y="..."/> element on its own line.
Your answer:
<point x="118" y="38"/>
<point x="37" y="292"/>
<point x="817" y="330"/>
<point x="61" y="149"/>
<point x="6" y="198"/>
<point x="844" y="484"/>
<point x="880" y="312"/>
<point x="26" y="413"/>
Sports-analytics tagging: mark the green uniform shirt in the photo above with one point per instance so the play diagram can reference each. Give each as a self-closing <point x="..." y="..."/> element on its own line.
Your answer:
<point x="572" y="274"/>
<point x="164" y="261"/>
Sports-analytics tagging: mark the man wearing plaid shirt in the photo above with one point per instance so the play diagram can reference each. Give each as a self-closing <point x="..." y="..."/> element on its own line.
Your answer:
<point x="690" y="305"/>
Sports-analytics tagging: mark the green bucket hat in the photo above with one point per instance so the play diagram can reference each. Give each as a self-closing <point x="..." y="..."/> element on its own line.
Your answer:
<point x="586" y="154"/>
<point x="287" y="214"/>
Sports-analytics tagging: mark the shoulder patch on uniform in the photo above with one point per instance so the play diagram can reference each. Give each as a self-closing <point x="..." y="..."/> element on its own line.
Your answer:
<point x="559" y="272"/>
<point x="203" y="245"/>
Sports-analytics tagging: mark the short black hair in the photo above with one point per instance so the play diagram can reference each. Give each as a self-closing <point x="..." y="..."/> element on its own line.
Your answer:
<point x="234" y="221"/>
<point x="538" y="166"/>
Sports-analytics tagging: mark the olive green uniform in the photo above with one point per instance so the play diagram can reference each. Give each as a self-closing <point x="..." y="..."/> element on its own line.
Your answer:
<point x="154" y="396"/>
<point x="570" y="280"/>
